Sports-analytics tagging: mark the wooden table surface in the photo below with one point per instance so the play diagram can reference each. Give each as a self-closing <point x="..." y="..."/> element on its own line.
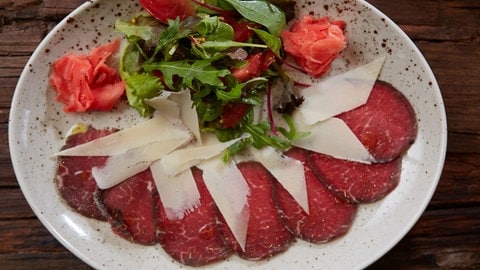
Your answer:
<point x="447" y="236"/>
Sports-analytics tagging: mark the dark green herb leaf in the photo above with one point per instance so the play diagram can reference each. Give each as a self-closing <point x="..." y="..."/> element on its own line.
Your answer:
<point x="261" y="12"/>
<point x="211" y="28"/>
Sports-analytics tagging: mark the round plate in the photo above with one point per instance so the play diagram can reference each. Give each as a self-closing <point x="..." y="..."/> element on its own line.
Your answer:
<point x="38" y="126"/>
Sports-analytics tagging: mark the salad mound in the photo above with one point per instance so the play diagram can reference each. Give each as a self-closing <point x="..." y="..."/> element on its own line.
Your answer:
<point x="228" y="57"/>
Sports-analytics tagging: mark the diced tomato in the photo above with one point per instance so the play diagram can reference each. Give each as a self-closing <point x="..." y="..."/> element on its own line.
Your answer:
<point x="257" y="63"/>
<point x="251" y="69"/>
<point x="269" y="58"/>
<point x="232" y="114"/>
<point x="241" y="31"/>
<point x="164" y="10"/>
<point x="85" y="82"/>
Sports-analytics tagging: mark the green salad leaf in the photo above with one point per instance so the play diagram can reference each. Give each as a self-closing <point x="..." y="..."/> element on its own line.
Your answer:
<point x="200" y="70"/>
<point x="142" y="86"/>
<point x="213" y="29"/>
<point x="273" y="42"/>
<point x="261" y="12"/>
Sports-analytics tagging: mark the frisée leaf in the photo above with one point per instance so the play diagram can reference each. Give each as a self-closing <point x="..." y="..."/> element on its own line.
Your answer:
<point x="140" y="87"/>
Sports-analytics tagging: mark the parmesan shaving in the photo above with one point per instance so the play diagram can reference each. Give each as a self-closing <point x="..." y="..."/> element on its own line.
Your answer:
<point x="340" y="93"/>
<point x="179" y="193"/>
<point x="230" y="191"/>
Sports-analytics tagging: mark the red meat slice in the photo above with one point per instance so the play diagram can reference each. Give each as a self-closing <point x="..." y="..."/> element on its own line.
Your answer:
<point x="266" y="234"/>
<point x="356" y="182"/>
<point x="74" y="176"/>
<point x="329" y="216"/>
<point x="193" y="240"/>
<point x="386" y="124"/>
<point x="130" y="208"/>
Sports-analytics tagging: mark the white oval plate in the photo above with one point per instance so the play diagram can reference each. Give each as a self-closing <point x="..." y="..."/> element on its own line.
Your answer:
<point x="38" y="125"/>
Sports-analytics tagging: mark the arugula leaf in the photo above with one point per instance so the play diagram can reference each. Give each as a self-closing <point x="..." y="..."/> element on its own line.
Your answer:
<point x="234" y="94"/>
<point x="168" y="40"/>
<point x="261" y="138"/>
<point x="261" y="12"/>
<point x="291" y="134"/>
<point x="201" y="70"/>
<point x="234" y="149"/>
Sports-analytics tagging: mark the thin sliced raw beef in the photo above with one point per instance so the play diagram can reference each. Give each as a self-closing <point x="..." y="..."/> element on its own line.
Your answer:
<point x="74" y="176"/>
<point x="130" y="208"/>
<point x="329" y="217"/>
<point x="193" y="240"/>
<point x="353" y="181"/>
<point x="266" y="234"/>
<point x="386" y="124"/>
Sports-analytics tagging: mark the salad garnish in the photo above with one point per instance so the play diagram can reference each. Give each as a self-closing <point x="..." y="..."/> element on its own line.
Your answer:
<point x="228" y="72"/>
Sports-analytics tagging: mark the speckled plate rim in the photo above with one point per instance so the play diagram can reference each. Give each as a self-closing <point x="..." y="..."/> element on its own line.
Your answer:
<point x="68" y="227"/>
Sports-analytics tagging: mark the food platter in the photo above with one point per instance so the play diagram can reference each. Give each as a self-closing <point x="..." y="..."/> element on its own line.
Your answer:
<point x="38" y="127"/>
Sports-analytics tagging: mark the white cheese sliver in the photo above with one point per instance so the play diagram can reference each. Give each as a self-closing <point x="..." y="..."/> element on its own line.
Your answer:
<point x="183" y="159"/>
<point x="332" y="137"/>
<point x="178" y="106"/>
<point x="340" y="93"/>
<point x="188" y="113"/>
<point x="153" y="130"/>
<point x="165" y="107"/>
<point x="120" y="167"/>
<point x="179" y="194"/>
<point x="289" y="172"/>
<point x="230" y="191"/>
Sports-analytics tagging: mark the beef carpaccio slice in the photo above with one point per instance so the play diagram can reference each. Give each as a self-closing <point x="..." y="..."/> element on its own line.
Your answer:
<point x="386" y="124"/>
<point x="129" y="207"/>
<point x="193" y="240"/>
<point x="353" y="181"/>
<point x="74" y="175"/>
<point x="266" y="233"/>
<point x="329" y="217"/>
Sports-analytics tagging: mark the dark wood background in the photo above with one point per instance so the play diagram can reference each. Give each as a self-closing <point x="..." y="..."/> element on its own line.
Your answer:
<point x="447" y="236"/>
